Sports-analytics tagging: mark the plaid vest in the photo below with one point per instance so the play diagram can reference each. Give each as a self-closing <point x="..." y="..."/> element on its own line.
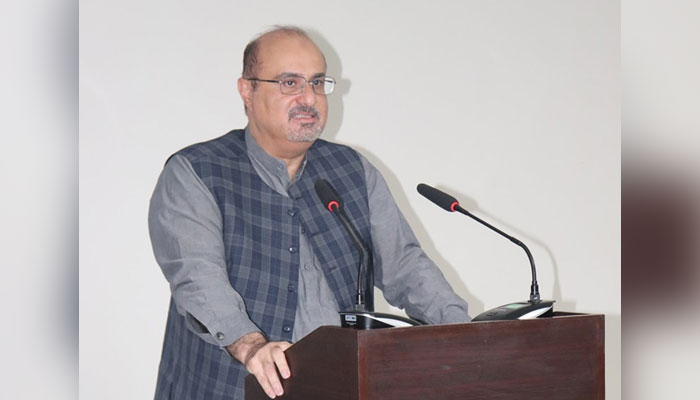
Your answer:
<point x="261" y="238"/>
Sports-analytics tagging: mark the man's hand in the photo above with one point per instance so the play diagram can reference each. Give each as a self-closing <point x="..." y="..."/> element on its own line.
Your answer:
<point x="262" y="359"/>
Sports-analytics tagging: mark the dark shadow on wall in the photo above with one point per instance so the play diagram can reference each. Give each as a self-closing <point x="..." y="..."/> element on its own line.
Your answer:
<point x="529" y="240"/>
<point x="451" y="274"/>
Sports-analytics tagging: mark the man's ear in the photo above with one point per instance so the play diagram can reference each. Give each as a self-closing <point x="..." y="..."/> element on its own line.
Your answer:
<point x="245" y="88"/>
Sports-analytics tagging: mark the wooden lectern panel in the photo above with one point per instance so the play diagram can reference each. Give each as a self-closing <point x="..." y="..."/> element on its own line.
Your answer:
<point x="549" y="358"/>
<point x="323" y="366"/>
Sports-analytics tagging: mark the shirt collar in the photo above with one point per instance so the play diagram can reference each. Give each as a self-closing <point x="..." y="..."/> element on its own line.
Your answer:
<point x="271" y="164"/>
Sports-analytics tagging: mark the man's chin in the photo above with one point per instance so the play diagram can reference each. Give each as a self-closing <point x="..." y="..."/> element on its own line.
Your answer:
<point x="305" y="134"/>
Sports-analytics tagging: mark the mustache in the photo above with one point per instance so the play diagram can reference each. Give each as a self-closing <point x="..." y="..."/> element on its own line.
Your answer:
<point x="304" y="110"/>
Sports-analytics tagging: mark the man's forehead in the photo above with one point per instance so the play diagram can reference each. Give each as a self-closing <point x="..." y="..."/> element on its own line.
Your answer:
<point x="286" y="51"/>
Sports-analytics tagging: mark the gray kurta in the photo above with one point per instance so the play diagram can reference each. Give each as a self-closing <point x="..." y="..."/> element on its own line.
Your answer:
<point x="407" y="277"/>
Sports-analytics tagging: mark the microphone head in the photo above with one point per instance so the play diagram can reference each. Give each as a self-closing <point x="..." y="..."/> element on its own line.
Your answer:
<point x="438" y="197"/>
<point x="328" y="196"/>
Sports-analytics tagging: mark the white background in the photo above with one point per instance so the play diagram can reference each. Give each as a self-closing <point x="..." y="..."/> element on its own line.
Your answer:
<point x="512" y="106"/>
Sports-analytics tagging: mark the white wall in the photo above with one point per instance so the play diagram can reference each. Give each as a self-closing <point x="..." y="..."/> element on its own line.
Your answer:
<point x="512" y="106"/>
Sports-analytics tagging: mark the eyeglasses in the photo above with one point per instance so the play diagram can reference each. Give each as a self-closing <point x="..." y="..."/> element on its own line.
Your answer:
<point x="296" y="84"/>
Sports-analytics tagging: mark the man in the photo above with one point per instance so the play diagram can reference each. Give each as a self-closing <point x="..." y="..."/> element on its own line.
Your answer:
<point x="253" y="259"/>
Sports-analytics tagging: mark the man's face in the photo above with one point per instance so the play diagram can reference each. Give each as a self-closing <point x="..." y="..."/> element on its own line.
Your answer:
<point x="282" y="118"/>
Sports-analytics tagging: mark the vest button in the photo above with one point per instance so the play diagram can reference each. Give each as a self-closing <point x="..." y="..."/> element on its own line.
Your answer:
<point x="292" y="212"/>
<point x="292" y="249"/>
<point x="303" y="230"/>
<point x="287" y="328"/>
<point x="291" y="288"/>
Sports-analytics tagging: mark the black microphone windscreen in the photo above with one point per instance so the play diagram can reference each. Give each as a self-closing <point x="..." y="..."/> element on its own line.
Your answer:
<point x="327" y="193"/>
<point x="438" y="197"/>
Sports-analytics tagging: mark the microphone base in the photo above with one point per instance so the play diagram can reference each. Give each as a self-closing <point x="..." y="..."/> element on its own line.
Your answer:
<point x="520" y="310"/>
<point x="364" y="320"/>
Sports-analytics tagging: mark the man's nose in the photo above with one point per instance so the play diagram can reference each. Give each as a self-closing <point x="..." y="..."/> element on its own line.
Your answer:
<point x="307" y="96"/>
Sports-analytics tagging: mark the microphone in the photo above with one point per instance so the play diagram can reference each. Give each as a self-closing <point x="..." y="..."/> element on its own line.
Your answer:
<point x="363" y="316"/>
<point x="330" y="198"/>
<point x="442" y="199"/>
<point x="535" y="307"/>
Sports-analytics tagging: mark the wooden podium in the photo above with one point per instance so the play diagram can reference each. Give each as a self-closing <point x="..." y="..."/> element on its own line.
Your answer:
<point x="549" y="358"/>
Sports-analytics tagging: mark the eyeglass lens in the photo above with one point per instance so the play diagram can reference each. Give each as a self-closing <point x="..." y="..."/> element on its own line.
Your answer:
<point x="295" y="85"/>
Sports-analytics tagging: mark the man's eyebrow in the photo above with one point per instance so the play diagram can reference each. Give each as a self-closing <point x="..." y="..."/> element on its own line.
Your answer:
<point x="296" y="74"/>
<point x="283" y="75"/>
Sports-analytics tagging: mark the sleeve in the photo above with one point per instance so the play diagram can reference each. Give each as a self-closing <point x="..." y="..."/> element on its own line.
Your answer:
<point x="407" y="277"/>
<point x="185" y="226"/>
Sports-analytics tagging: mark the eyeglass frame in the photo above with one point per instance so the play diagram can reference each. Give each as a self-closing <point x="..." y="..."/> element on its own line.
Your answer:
<point x="323" y="78"/>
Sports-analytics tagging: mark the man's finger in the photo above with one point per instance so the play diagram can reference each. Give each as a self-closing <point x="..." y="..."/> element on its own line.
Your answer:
<point x="284" y="345"/>
<point x="271" y="374"/>
<point x="265" y="385"/>
<point x="281" y="361"/>
<point x="256" y="368"/>
<point x="264" y="364"/>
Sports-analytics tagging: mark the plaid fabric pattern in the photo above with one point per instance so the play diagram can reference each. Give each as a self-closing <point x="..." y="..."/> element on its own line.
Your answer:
<point x="261" y="235"/>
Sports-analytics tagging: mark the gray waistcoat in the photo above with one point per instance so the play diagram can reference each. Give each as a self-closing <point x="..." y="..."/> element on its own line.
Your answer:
<point x="261" y="235"/>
